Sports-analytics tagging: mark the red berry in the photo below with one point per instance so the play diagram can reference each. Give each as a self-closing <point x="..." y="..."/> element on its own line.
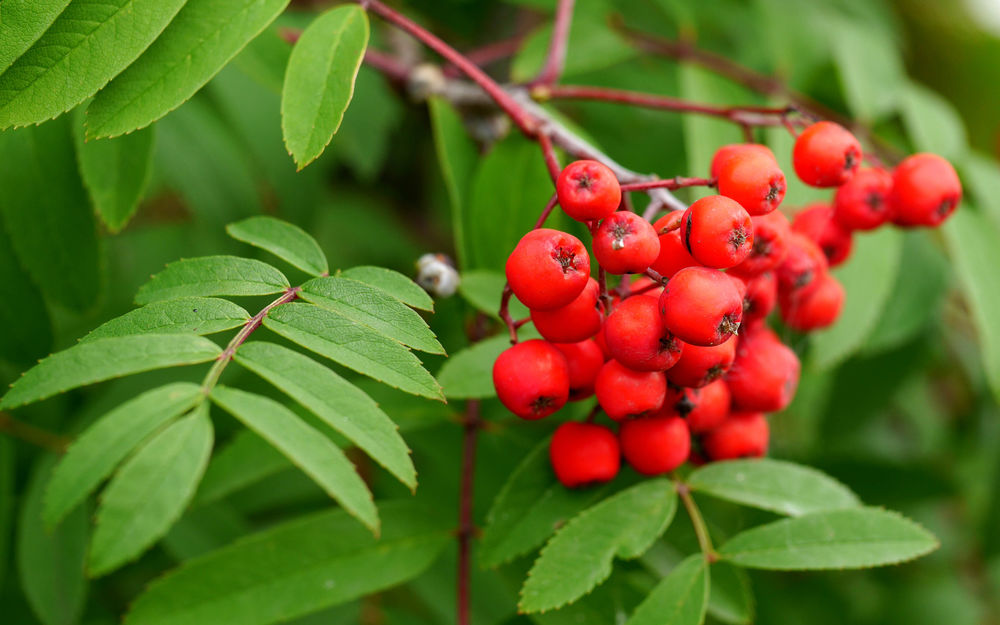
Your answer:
<point x="584" y="359"/>
<point x="770" y="244"/>
<point x="655" y="445"/>
<point x="625" y="243"/>
<point x="673" y="255"/>
<point x="754" y="180"/>
<point x="588" y="190"/>
<point x="636" y="336"/>
<point x="765" y="373"/>
<point x="816" y="222"/>
<point x="925" y="190"/>
<point x="862" y="202"/>
<point x="623" y="392"/>
<point x="803" y="262"/>
<point x="816" y="306"/>
<point x="725" y="153"/>
<point x="701" y="306"/>
<point x="646" y="286"/>
<point x="709" y="407"/>
<point x="584" y="453"/>
<point x="532" y="379"/>
<point x="741" y="435"/>
<point x="717" y="232"/>
<point x="759" y="296"/>
<point x="548" y="269"/>
<point x="699" y="365"/>
<point x="826" y="155"/>
<point x="576" y="321"/>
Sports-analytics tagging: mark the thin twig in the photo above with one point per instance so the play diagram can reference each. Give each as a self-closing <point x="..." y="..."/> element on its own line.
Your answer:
<point x="32" y="434"/>
<point x="551" y="160"/>
<point x="556" y="57"/>
<point x="466" y="527"/>
<point x="677" y="182"/>
<point x="487" y="54"/>
<point x="700" y="528"/>
<point x="505" y="313"/>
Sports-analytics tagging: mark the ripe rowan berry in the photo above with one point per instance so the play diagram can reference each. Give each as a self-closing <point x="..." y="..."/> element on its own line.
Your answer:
<point x="770" y="244"/>
<point x="717" y="232"/>
<point x="741" y="435"/>
<point x="625" y="243"/>
<point x="637" y="338"/>
<point x="624" y="392"/>
<point x="576" y="321"/>
<point x="816" y="222"/>
<point x="645" y="285"/>
<point x="759" y="296"/>
<point x="673" y="255"/>
<point x="584" y="453"/>
<point x="826" y="154"/>
<point x="709" y="407"/>
<point x="702" y="306"/>
<point x="532" y="379"/>
<point x="656" y="444"/>
<point x="925" y="191"/>
<point x="548" y="269"/>
<point x="803" y="263"/>
<point x="588" y="190"/>
<point x="722" y="156"/>
<point x="816" y="306"/>
<point x="584" y="359"/>
<point x="862" y="202"/>
<point x="699" y="366"/>
<point x="765" y="372"/>
<point x="754" y="180"/>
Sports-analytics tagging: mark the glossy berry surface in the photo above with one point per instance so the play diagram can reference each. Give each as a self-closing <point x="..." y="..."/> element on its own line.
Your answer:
<point x="576" y="321"/>
<point x="625" y="243"/>
<point x="802" y="264"/>
<point x="709" y="407"/>
<point x="655" y="445"/>
<point x="717" y="232"/>
<point x="532" y="379"/>
<point x="724" y="154"/>
<point x="637" y="338"/>
<point x="700" y="365"/>
<point x="624" y="393"/>
<point x="741" y="435"/>
<point x="826" y="155"/>
<point x="764" y="374"/>
<point x="770" y="244"/>
<point x="702" y="306"/>
<point x="754" y="180"/>
<point x="548" y="269"/>
<point x="925" y="191"/>
<point x="862" y="203"/>
<point x="585" y="360"/>
<point x="584" y="453"/>
<point x="674" y="254"/>
<point x="814" y="307"/>
<point x="760" y="294"/>
<point x="588" y="190"/>
<point x="816" y="222"/>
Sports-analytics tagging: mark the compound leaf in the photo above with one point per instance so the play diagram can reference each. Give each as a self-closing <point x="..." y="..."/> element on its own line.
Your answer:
<point x="286" y="241"/>
<point x="185" y="315"/>
<point x="393" y="283"/>
<point x="213" y="275"/>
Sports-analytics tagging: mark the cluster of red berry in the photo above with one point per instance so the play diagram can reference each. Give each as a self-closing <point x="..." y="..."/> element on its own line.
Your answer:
<point x="684" y="351"/>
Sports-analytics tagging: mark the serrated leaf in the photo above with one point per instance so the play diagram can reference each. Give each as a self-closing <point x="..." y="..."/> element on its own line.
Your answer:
<point x="305" y="446"/>
<point x="86" y="46"/>
<point x="457" y="156"/>
<point x="933" y="123"/>
<point x="679" y="599"/>
<point x="868" y="280"/>
<point x="353" y="345"/>
<point x="150" y="491"/>
<point x="372" y="307"/>
<point x="286" y="241"/>
<point x="294" y="569"/>
<point x="579" y="556"/>
<point x="244" y="460"/>
<point x="50" y="564"/>
<point x="185" y="315"/>
<point x="46" y="213"/>
<point x="200" y="41"/>
<point x="837" y="539"/>
<point x="23" y="23"/>
<point x="319" y="80"/>
<point x="468" y="373"/>
<point x="30" y="316"/>
<point x="531" y="505"/>
<point x="483" y="289"/>
<point x="94" y="454"/>
<point x="212" y="275"/>
<point x="115" y="172"/>
<point x="340" y="404"/>
<point x="392" y="283"/>
<point x="103" y="359"/>
<point x="775" y="485"/>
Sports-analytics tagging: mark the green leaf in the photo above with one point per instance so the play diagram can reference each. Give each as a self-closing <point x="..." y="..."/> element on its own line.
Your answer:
<point x="319" y="80"/>
<point x="392" y="283"/>
<point x="46" y="213"/>
<point x="94" y="454"/>
<point x="85" y="47"/>
<point x="981" y="177"/>
<point x="7" y="495"/>
<point x="579" y="556"/>
<point x="483" y="289"/>
<point x="245" y="460"/>
<point x="294" y="569"/>
<point x="679" y="599"/>
<point x="30" y="316"/>
<point x="837" y="539"/>
<point x="468" y="374"/>
<point x="150" y="491"/>
<point x="933" y="123"/>
<point x="353" y="345"/>
<point x="305" y="446"/>
<point x="871" y="72"/>
<point x="115" y="172"/>
<point x="457" y="156"/>
<point x="212" y="275"/>
<point x="531" y="505"/>
<point x="23" y="23"/>
<point x="730" y="599"/>
<point x="775" y="485"/>
<point x="868" y="280"/>
<point x="185" y="315"/>
<point x="103" y="359"/>
<point x="286" y="241"/>
<point x="340" y="404"/>
<point x="372" y="307"/>
<point x="200" y="41"/>
<point x="971" y="240"/>
<point x="704" y="135"/>
<point x="50" y="564"/>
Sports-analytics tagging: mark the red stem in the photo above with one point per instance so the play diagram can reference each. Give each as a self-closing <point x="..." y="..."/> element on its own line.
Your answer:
<point x="487" y="54"/>
<point x="547" y="211"/>
<point x="556" y="58"/>
<point x="393" y="68"/>
<point x="505" y="313"/>
<point x="678" y="182"/>
<point x="466" y="528"/>
<point x="551" y="160"/>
